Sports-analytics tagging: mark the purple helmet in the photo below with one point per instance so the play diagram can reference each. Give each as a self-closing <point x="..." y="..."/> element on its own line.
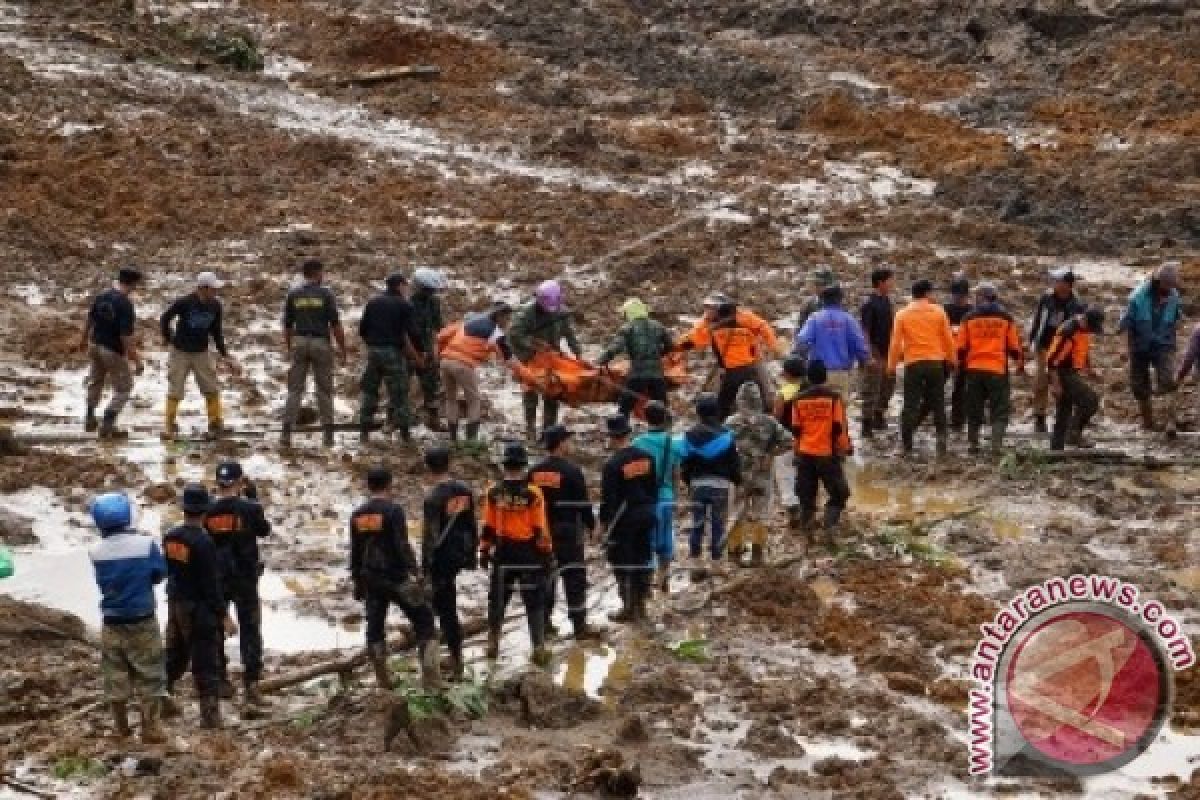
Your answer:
<point x="549" y="296"/>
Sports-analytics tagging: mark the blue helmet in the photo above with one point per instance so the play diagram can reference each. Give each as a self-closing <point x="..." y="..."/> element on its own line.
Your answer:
<point x="112" y="511"/>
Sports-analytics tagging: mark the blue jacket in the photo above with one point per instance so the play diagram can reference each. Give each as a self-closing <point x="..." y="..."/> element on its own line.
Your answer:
<point x="127" y="565"/>
<point x="710" y="454"/>
<point x="667" y="452"/>
<point x="835" y="337"/>
<point x="1150" y="331"/>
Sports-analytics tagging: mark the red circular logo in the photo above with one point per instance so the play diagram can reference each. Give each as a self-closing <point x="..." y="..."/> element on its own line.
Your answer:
<point x="1084" y="688"/>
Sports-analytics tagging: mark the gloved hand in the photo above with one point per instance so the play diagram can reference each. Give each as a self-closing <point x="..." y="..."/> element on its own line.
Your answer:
<point x="485" y="559"/>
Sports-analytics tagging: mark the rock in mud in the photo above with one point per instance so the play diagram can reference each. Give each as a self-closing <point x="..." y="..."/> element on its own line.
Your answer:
<point x="767" y="738"/>
<point x="16" y="530"/>
<point x="540" y="703"/>
<point x="633" y="729"/>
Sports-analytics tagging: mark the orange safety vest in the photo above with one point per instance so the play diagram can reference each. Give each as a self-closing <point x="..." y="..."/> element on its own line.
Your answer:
<point x="1071" y="347"/>
<point x="454" y="343"/>
<point x="818" y="423"/>
<point x="986" y="340"/>
<point x="516" y="514"/>
<point x="736" y="343"/>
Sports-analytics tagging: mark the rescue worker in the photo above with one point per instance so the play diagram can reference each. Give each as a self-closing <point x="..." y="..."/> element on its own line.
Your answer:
<point x="821" y="441"/>
<point x="877" y="318"/>
<point x="834" y="337"/>
<point x="1069" y="359"/>
<point x="794" y="381"/>
<point x="987" y="340"/>
<point x="710" y="467"/>
<point x="956" y="310"/>
<point x="667" y="452"/>
<point x="389" y="331"/>
<point x="197" y="319"/>
<point x="462" y="350"/>
<point x="428" y="284"/>
<point x="644" y="342"/>
<point x="569" y="514"/>
<point x="236" y="522"/>
<point x="628" y="497"/>
<point x="127" y="565"/>
<point x="517" y="548"/>
<point x="760" y="439"/>
<point x="1056" y="305"/>
<point x="1150" y="320"/>
<point x="385" y="573"/>
<point x="449" y="545"/>
<point x="195" y="605"/>
<point x="922" y="341"/>
<point x="310" y="318"/>
<point x="109" y="341"/>
<point x="542" y="325"/>
<point x="739" y="341"/>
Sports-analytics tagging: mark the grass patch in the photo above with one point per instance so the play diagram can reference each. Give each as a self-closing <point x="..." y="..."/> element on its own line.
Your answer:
<point x="693" y="651"/>
<point x="78" y="769"/>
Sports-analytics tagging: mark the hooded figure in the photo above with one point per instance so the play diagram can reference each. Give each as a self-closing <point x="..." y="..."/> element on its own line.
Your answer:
<point x="760" y="438"/>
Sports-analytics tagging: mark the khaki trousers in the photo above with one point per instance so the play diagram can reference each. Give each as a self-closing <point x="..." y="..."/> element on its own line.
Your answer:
<point x="459" y="377"/>
<point x="180" y="365"/>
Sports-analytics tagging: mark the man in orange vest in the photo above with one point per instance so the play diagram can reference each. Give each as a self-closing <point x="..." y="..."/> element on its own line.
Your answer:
<point x="922" y="340"/>
<point x="822" y="441"/>
<point x="987" y="339"/>
<point x="1069" y="358"/>
<point x="739" y="340"/>
<point x="462" y="349"/>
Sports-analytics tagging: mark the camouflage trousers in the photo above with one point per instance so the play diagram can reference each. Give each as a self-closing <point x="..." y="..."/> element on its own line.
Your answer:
<point x="131" y="660"/>
<point x="385" y="367"/>
<point x="754" y="509"/>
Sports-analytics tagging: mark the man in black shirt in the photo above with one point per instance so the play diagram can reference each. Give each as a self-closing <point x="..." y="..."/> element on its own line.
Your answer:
<point x="877" y="317"/>
<point x="956" y="310"/>
<point x="385" y="573"/>
<point x="196" y="318"/>
<point x="195" y="605"/>
<point x="629" y="492"/>
<point x="569" y="513"/>
<point x="109" y="342"/>
<point x="388" y="329"/>
<point x="310" y="317"/>
<point x="449" y="544"/>
<point x="236" y="523"/>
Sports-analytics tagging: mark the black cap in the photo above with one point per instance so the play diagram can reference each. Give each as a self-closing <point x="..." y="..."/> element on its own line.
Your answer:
<point x="515" y="455"/>
<point x="228" y="473"/>
<point x="618" y="426"/>
<point x="922" y="288"/>
<point x="311" y="267"/>
<point x="437" y="458"/>
<point x="196" y="499"/>
<point x="959" y="285"/>
<point x="657" y="415"/>
<point x="396" y="280"/>
<point x="794" y="367"/>
<point x="708" y="405"/>
<point x="378" y="479"/>
<point x="130" y="276"/>
<point x="555" y="435"/>
<point x="817" y="374"/>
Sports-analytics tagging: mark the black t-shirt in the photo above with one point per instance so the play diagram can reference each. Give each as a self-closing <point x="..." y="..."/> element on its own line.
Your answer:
<point x="877" y="318"/>
<point x="568" y="506"/>
<point x="957" y="312"/>
<point x="193" y="574"/>
<point x="235" y="525"/>
<point x="197" y="321"/>
<point x="629" y="484"/>
<point x="310" y="310"/>
<point x="387" y="320"/>
<point x="379" y="546"/>
<point x="450" y="530"/>
<point x="112" y="317"/>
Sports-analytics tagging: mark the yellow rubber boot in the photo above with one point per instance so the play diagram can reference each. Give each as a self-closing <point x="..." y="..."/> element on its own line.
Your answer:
<point x="170" y="429"/>
<point x="216" y="425"/>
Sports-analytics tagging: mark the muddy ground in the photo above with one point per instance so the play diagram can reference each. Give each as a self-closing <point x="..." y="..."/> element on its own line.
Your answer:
<point x="662" y="149"/>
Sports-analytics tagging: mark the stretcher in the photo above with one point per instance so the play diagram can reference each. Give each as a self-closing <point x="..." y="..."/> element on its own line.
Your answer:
<point x="575" y="382"/>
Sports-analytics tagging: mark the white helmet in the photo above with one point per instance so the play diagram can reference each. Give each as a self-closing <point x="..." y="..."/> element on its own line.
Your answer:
<point x="429" y="278"/>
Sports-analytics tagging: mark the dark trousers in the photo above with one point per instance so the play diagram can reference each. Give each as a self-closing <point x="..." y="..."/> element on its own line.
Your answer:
<point x="429" y="378"/>
<point x="813" y="472"/>
<point x="380" y="599"/>
<point x="530" y="581"/>
<point x="731" y="381"/>
<point x="990" y="393"/>
<point x="445" y="606"/>
<point x="243" y="596"/>
<point x="640" y="388"/>
<point x="630" y="547"/>
<point x="1077" y="404"/>
<point x="568" y="552"/>
<point x="958" y="400"/>
<point x="385" y="367"/>
<point x="709" y="505"/>
<point x="924" y="392"/>
<point x="193" y="640"/>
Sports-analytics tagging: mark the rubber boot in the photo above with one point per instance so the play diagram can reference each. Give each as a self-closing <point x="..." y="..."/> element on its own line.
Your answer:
<point x="879" y="421"/>
<point x="327" y="436"/>
<point x="431" y="673"/>
<point x="170" y="413"/>
<point x="868" y="430"/>
<point x="1039" y="424"/>
<point x="1076" y="439"/>
<point x="458" y="667"/>
<point x="90" y="423"/>
<point x="472" y="431"/>
<point x="833" y="516"/>
<point x="168" y="708"/>
<point x="433" y="420"/>
<point x="973" y="439"/>
<point x="226" y="691"/>
<point x="109" y="429"/>
<point x="999" y="430"/>
<point x="943" y="445"/>
<point x="364" y="433"/>
<point x="216" y="421"/>
<point x="377" y="654"/>
<point x="1146" y="409"/>
<point x="252" y="696"/>
<point x="757" y="555"/>
<point x="493" y="645"/>
<point x="906" y="441"/>
<point x="540" y="657"/>
<point x="152" y="732"/>
<point x="120" y="712"/>
<point x="453" y="429"/>
<point x="285" y="438"/>
<point x="210" y="712"/>
<point x="795" y="518"/>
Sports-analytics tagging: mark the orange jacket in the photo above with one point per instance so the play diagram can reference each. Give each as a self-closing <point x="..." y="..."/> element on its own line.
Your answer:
<point x="921" y="333"/>
<point x="818" y="423"/>
<point x="471" y="345"/>
<point x="739" y="342"/>
<point x="1071" y="347"/>
<point x="514" y="512"/>
<point x="987" y="338"/>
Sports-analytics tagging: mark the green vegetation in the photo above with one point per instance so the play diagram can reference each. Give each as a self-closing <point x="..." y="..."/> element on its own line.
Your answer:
<point x="79" y="769"/>
<point x="694" y="651"/>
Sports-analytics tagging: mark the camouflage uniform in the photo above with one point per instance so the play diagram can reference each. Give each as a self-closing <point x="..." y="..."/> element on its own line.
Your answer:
<point x="644" y="342"/>
<point x="131" y="657"/>
<point x="427" y="314"/>
<point x="759" y="438"/>
<point x="385" y="365"/>
<point x="533" y="329"/>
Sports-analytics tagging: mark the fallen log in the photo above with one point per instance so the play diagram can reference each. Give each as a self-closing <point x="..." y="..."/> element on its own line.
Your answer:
<point x="377" y="76"/>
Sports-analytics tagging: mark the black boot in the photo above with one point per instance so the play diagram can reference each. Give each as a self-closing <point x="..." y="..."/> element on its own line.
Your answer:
<point x="210" y="712"/>
<point x="833" y="515"/>
<point x="1039" y="424"/>
<point x="377" y="653"/>
<point x="453" y="429"/>
<point x="90" y="423"/>
<point x="906" y="440"/>
<point x="109" y="429"/>
<point x="472" y="431"/>
<point x="327" y="436"/>
<point x="364" y="433"/>
<point x="285" y="438"/>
